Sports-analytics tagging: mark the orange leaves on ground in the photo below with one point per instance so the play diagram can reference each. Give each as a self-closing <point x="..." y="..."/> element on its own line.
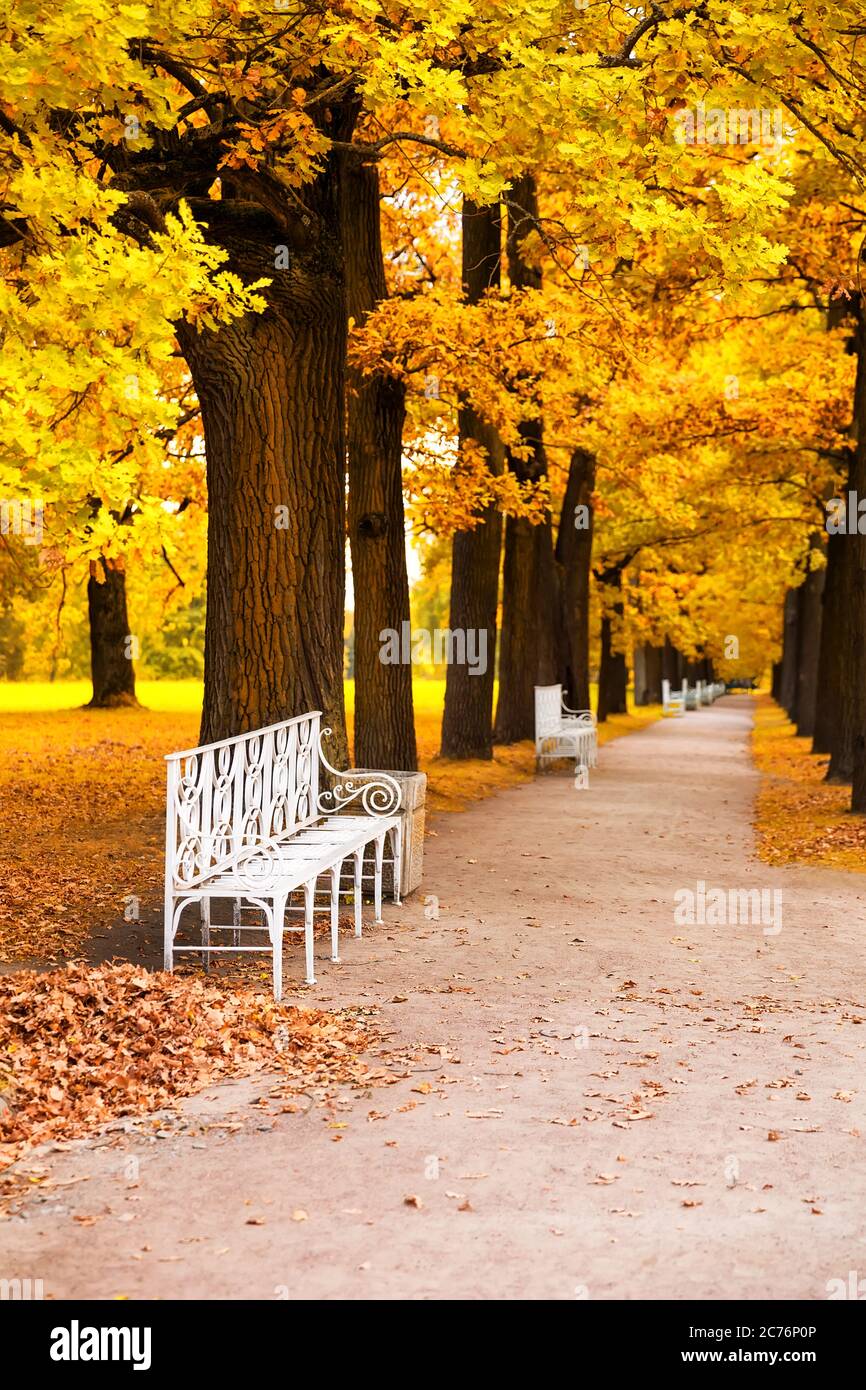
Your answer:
<point x="82" y="806"/>
<point x="799" y="816"/>
<point x="85" y="1045"/>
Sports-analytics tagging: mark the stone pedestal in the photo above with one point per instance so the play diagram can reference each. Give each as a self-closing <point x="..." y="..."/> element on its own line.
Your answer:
<point x="413" y="789"/>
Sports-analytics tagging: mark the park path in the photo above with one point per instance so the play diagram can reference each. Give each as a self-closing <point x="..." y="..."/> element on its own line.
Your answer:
<point x="598" y="1123"/>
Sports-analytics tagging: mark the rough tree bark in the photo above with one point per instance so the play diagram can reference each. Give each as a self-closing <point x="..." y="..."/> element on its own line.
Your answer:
<point x="788" y="686"/>
<point x="639" y="674"/>
<point x="467" y="720"/>
<point x="833" y="620"/>
<point x="532" y="639"/>
<point x="854" y="689"/>
<point x="654" y="675"/>
<point x="111" y="669"/>
<point x="613" y="667"/>
<point x="809" y="596"/>
<point x="672" y="664"/>
<point x="384" y="718"/>
<point x="574" y="562"/>
<point x="272" y="392"/>
<point x="850" y="607"/>
<point x="647" y="674"/>
<point x="835" y="606"/>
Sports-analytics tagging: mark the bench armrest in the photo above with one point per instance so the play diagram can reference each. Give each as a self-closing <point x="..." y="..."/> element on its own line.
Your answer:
<point x="578" y="713"/>
<point x="380" y="795"/>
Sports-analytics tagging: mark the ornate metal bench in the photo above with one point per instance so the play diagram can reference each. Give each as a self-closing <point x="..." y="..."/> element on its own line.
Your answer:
<point x="561" y="732"/>
<point x="246" y="820"/>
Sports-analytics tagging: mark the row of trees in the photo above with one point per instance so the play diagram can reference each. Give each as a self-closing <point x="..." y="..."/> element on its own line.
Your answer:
<point x="820" y="678"/>
<point x="481" y="262"/>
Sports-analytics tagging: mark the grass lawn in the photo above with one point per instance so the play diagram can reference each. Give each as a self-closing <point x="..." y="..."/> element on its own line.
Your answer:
<point x="82" y="800"/>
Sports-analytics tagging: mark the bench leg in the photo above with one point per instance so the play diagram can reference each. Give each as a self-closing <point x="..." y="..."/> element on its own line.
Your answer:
<point x="278" y="912"/>
<point x="335" y="914"/>
<point x="205" y="931"/>
<point x="236" y="920"/>
<point x="168" y="933"/>
<point x="397" y="852"/>
<point x="379" y="851"/>
<point x="309" y="903"/>
<point x="359" y="864"/>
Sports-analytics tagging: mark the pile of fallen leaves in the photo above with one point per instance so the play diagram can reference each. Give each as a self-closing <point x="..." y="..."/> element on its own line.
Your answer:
<point x="800" y="817"/>
<point x="85" y="1045"/>
<point x="82" y="817"/>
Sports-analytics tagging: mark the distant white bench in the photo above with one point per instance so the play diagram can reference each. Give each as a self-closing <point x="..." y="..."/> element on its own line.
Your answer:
<point x="561" y="732"/>
<point x="246" y="821"/>
<point x="673" y="701"/>
<point x="709" y="691"/>
<point x="676" y="702"/>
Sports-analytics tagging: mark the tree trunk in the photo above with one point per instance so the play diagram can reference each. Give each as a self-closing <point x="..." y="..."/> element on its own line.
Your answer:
<point x="833" y="623"/>
<point x="384" y="717"/>
<point x="518" y="655"/>
<point x="272" y="393"/>
<point x="532" y="640"/>
<point x="776" y="684"/>
<point x="639" y="674"/>
<point x="788" y="690"/>
<point x="613" y="668"/>
<point x="654" y="675"/>
<point x="851" y="611"/>
<point x="672" y="664"/>
<point x="836" y="605"/>
<point x="467" y="720"/>
<point x="648" y="675"/>
<point x="844" y="732"/>
<point x="112" y="646"/>
<point x="855" y="706"/>
<point x="574" y="560"/>
<point x="809" y="643"/>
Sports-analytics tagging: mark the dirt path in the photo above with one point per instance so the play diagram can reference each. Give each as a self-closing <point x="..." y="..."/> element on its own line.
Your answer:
<point x="599" y="1117"/>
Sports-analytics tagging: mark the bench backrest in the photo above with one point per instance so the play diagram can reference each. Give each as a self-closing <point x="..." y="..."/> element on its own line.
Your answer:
<point x="548" y="710"/>
<point x="227" y="800"/>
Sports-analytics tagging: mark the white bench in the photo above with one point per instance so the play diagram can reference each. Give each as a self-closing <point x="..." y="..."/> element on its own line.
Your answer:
<point x="710" y="691"/>
<point x="561" y="732"/>
<point x="246" y="821"/>
<point x="673" y="702"/>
